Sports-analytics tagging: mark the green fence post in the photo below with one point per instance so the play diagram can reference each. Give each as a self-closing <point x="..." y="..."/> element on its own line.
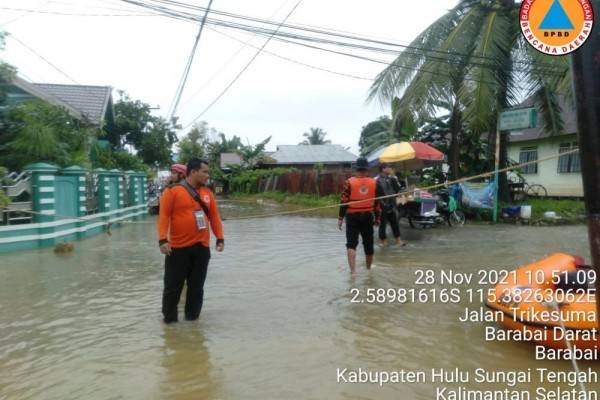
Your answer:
<point x="42" y="191"/>
<point x="78" y="174"/>
<point x="103" y="199"/>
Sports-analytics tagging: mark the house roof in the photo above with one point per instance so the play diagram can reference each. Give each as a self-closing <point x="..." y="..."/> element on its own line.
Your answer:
<point x="91" y="101"/>
<point x="569" y="117"/>
<point x="312" y="154"/>
<point x="33" y="90"/>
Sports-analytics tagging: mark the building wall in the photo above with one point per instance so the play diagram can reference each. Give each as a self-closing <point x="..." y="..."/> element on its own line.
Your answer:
<point x="566" y="184"/>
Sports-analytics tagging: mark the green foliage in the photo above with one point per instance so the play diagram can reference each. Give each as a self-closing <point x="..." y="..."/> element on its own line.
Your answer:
<point x="315" y="136"/>
<point x="152" y="137"/>
<point x="246" y="181"/>
<point x="251" y="155"/>
<point x="37" y="131"/>
<point x="479" y="63"/>
<point x="110" y="159"/>
<point x="194" y="144"/>
<point x="132" y="118"/>
<point x="385" y="131"/>
<point x="157" y="143"/>
<point x="4" y="199"/>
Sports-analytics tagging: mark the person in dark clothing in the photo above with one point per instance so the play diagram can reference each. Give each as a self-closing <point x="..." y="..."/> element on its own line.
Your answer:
<point x="387" y="185"/>
<point x="360" y="215"/>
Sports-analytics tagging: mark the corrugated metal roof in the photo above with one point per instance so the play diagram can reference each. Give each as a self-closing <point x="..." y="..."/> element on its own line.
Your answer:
<point x="569" y="117"/>
<point x="91" y="101"/>
<point x="311" y="154"/>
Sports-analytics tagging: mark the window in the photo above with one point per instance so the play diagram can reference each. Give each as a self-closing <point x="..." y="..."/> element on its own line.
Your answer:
<point x="568" y="162"/>
<point x="528" y="154"/>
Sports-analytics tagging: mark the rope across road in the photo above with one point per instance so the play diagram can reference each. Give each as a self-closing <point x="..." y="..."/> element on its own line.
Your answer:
<point x="311" y="209"/>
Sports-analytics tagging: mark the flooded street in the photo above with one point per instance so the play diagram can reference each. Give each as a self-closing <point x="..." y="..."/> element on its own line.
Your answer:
<point x="277" y="320"/>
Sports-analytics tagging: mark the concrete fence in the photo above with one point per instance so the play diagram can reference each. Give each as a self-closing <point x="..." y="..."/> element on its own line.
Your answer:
<point x="61" y="201"/>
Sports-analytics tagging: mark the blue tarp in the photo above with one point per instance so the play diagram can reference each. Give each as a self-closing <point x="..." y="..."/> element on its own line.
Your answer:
<point x="478" y="195"/>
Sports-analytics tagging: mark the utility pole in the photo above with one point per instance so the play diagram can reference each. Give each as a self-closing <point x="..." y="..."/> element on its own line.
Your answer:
<point x="585" y="66"/>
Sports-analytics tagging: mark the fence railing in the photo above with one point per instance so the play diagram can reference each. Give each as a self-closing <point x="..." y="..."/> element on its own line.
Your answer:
<point x="44" y="192"/>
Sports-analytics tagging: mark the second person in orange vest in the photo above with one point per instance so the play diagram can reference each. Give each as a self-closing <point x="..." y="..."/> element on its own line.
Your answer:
<point x="361" y="214"/>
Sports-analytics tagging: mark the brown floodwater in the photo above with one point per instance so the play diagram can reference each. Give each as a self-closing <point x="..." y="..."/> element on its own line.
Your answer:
<point x="277" y="322"/>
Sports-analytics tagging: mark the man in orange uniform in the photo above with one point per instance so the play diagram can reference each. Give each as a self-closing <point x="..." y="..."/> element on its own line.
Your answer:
<point x="360" y="215"/>
<point x="186" y="211"/>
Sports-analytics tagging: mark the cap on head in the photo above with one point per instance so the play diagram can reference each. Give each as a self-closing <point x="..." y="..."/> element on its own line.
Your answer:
<point x="179" y="168"/>
<point x="362" y="164"/>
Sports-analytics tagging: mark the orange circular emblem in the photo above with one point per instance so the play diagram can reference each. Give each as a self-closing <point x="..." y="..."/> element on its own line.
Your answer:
<point x="363" y="189"/>
<point x="556" y="27"/>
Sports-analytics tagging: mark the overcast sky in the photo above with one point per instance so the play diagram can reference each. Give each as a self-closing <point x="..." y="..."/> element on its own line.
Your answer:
<point x="145" y="56"/>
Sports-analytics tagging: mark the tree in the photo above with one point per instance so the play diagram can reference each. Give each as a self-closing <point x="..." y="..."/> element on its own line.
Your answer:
<point x="385" y="131"/>
<point x="155" y="148"/>
<point x="315" y="136"/>
<point x="152" y="137"/>
<point x="223" y="145"/>
<point x="194" y="144"/>
<point x="251" y="155"/>
<point x="132" y="119"/>
<point x="38" y="131"/>
<point x="474" y="58"/>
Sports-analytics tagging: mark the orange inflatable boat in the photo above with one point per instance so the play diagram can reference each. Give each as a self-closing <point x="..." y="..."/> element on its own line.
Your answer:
<point x="551" y="302"/>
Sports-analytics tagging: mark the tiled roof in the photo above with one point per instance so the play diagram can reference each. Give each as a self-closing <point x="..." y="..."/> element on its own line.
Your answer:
<point x="311" y="154"/>
<point x="91" y="101"/>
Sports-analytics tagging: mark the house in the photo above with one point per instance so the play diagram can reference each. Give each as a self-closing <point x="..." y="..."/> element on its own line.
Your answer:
<point x="561" y="176"/>
<point x="331" y="157"/>
<point x="92" y="105"/>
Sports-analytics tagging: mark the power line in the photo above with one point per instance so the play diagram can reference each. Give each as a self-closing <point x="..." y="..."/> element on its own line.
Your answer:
<point x="324" y="31"/>
<point x="295" y="61"/>
<point x="243" y="69"/>
<point x="186" y="71"/>
<point x="226" y="63"/>
<point x="44" y="59"/>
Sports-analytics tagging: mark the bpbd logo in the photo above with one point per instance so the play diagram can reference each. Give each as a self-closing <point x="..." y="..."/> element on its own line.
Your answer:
<point x="556" y="27"/>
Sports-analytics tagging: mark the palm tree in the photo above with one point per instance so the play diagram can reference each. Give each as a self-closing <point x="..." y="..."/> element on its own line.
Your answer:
<point x="315" y="136"/>
<point x="475" y="58"/>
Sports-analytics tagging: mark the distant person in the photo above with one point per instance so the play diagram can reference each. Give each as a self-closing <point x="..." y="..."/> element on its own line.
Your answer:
<point x="388" y="185"/>
<point x="187" y="210"/>
<point x="360" y="216"/>
<point x="178" y="174"/>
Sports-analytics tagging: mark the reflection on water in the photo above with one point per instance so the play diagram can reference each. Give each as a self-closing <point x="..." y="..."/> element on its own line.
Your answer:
<point x="277" y="320"/>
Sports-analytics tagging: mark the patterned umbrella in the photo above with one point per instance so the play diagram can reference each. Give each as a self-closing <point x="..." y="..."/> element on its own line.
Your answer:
<point x="411" y="155"/>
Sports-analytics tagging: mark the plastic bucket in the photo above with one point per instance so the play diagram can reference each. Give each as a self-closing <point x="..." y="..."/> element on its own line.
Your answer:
<point x="525" y="212"/>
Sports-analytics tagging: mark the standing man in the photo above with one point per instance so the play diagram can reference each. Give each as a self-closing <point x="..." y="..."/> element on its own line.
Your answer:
<point x="187" y="210"/>
<point x="361" y="214"/>
<point x="388" y="185"/>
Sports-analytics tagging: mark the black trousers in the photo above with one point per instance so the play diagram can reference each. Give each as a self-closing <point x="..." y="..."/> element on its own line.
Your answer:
<point x="360" y="224"/>
<point x="392" y="218"/>
<point x="188" y="264"/>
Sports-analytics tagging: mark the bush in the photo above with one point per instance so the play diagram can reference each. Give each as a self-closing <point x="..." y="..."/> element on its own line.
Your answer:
<point x="247" y="181"/>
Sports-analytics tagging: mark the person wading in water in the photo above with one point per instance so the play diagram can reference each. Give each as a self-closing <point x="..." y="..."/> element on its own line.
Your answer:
<point x="186" y="211"/>
<point x="360" y="216"/>
<point x="388" y="185"/>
